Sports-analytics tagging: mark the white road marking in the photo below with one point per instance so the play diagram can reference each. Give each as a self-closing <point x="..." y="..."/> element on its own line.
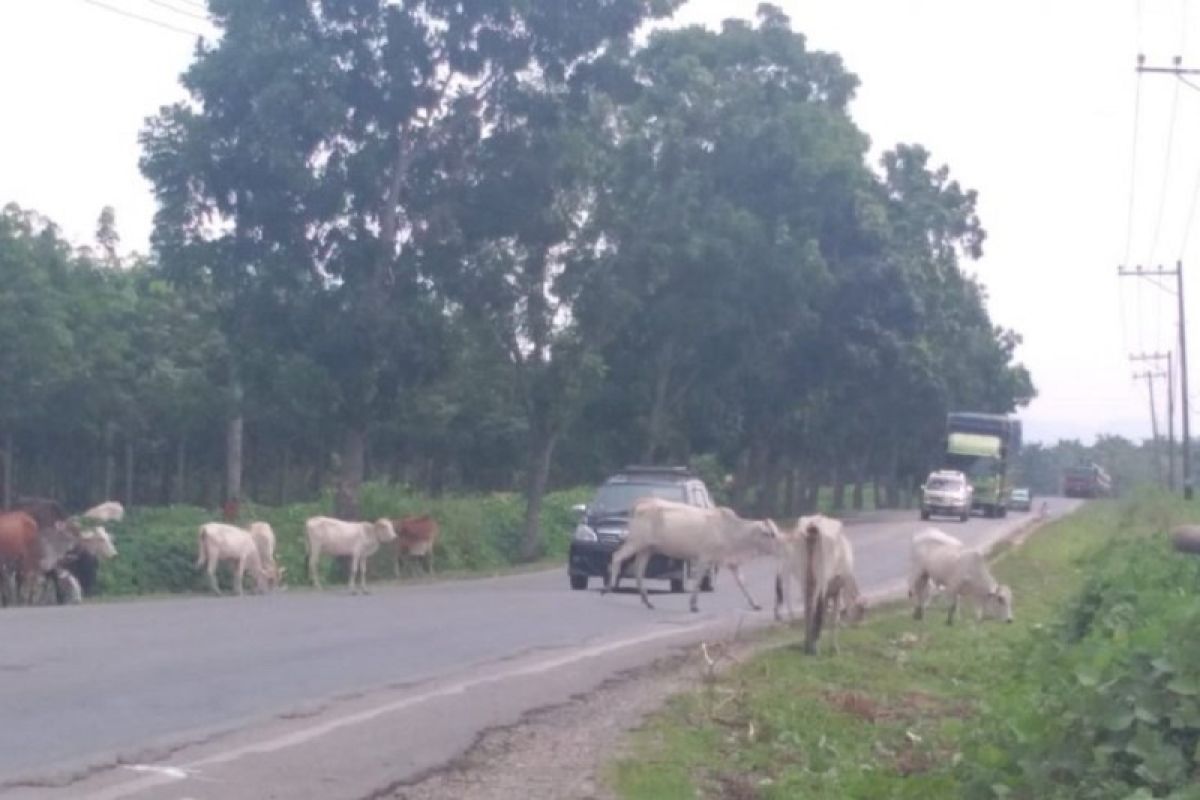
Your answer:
<point x="167" y="775"/>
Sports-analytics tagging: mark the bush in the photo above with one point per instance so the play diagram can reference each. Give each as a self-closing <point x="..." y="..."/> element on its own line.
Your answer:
<point x="1106" y="703"/>
<point x="157" y="546"/>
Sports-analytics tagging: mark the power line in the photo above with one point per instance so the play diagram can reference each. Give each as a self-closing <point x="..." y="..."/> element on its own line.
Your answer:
<point x="150" y="20"/>
<point x="1137" y="115"/>
<point x="1162" y="196"/>
<point x="169" y="7"/>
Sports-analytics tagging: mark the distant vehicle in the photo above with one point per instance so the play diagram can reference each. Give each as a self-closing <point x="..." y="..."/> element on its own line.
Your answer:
<point x="1086" y="480"/>
<point x="1020" y="499"/>
<point x="604" y="523"/>
<point x="982" y="446"/>
<point x="947" y="493"/>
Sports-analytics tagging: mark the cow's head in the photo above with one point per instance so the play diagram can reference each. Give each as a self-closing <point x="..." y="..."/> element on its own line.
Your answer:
<point x="384" y="530"/>
<point x="854" y="612"/>
<point x="97" y="542"/>
<point x="999" y="603"/>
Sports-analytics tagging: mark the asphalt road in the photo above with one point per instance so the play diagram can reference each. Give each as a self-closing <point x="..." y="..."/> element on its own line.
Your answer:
<point x="325" y="695"/>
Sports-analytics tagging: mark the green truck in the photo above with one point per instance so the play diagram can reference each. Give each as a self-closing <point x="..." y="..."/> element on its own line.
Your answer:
<point x="983" y="447"/>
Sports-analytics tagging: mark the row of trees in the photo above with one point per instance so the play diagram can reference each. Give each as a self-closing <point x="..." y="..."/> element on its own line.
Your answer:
<point x="499" y="245"/>
<point x="1129" y="463"/>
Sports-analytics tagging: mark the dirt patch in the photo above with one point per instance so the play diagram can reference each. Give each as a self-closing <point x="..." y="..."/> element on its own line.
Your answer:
<point x="559" y="753"/>
<point x="909" y="707"/>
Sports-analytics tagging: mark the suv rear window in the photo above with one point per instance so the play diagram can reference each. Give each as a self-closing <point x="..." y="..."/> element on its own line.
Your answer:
<point x="617" y="498"/>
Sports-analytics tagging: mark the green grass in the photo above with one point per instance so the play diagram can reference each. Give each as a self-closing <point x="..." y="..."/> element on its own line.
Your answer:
<point x="907" y="709"/>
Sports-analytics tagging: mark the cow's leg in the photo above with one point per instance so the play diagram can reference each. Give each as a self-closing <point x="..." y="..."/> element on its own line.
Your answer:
<point x="704" y="570"/>
<point x="354" y="557"/>
<point x="239" y="576"/>
<point x="737" y="576"/>
<point x="397" y="564"/>
<point x="920" y="593"/>
<point x="614" y="568"/>
<point x="363" y="561"/>
<point x="836" y="621"/>
<point x="314" y="556"/>
<point x="429" y="562"/>
<point x="953" y="607"/>
<point x="211" y="568"/>
<point x="639" y="569"/>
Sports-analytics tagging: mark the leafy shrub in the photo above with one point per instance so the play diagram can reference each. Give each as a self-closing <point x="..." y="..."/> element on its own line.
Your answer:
<point x="1106" y="704"/>
<point x="157" y="546"/>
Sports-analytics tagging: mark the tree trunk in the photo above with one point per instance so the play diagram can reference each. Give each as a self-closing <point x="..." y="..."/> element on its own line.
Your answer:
<point x="128" y="473"/>
<point x="284" y="469"/>
<point x="856" y="498"/>
<point x="110" y="460"/>
<point x="769" y="492"/>
<point x="892" y="481"/>
<point x="789" y="492"/>
<point x="10" y="462"/>
<point x="541" y="452"/>
<point x="658" y="406"/>
<point x="839" y="489"/>
<point x="347" y="501"/>
<point x="180" y="469"/>
<point x="812" y="496"/>
<point x="234" y="431"/>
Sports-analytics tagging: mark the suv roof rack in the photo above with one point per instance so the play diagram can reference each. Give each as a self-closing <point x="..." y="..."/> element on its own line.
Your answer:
<point x="643" y="469"/>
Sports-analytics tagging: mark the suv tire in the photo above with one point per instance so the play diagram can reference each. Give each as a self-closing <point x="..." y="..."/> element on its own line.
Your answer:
<point x="924" y="514"/>
<point x="706" y="585"/>
<point x="677" y="586"/>
<point x="579" y="582"/>
<point x="964" y="517"/>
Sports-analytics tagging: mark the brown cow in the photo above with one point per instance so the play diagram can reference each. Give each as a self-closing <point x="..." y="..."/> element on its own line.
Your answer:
<point x="415" y="537"/>
<point x="20" y="556"/>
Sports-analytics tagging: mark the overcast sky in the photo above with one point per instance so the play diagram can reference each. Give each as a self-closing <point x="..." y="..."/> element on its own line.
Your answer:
<point x="1031" y="102"/>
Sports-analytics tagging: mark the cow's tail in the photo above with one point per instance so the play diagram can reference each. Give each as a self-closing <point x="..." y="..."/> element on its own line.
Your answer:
<point x="814" y="600"/>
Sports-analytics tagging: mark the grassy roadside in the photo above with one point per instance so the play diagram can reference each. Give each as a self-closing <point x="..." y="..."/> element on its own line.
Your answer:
<point x="920" y="710"/>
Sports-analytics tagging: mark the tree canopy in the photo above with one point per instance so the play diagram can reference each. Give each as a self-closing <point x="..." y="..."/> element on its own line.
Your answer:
<point x="499" y="245"/>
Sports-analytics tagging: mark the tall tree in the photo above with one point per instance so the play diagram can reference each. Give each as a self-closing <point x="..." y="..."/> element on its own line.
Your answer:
<point x="303" y="173"/>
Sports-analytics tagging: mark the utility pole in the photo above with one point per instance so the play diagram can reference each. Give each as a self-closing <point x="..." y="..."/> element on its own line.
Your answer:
<point x="1149" y="377"/>
<point x="1177" y="274"/>
<point x="1179" y="72"/>
<point x="1170" y="373"/>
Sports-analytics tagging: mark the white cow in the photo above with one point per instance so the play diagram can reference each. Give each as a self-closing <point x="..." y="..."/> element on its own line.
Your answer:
<point x="818" y="554"/>
<point x="220" y="542"/>
<point x="704" y="537"/>
<point x="98" y="543"/>
<point x="264" y="540"/>
<point x="110" y="511"/>
<point x="939" y="558"/>
<point x="358" y="540"/>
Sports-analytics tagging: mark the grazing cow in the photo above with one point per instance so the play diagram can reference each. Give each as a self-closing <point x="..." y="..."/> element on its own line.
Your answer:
<point x="415" y="538"/>
<point x="67" y="586"/>
<point x="62" y="540"/>
<point x="939" y="558"/>
<point x="818" y="554"/>
<point x="358" y="540"/>
<point x="220" y="542"/>
<point x="20" y="556"/>
<point x="109" y="511"/>
<point x="704" y="537"/>
<point x="264" y="540"/>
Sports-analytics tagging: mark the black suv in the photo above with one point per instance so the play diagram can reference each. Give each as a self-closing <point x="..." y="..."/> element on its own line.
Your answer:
<point x="604" y="523"/>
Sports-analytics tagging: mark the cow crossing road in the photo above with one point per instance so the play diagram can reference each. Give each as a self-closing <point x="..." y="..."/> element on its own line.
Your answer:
<point x="323" y="695"/>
